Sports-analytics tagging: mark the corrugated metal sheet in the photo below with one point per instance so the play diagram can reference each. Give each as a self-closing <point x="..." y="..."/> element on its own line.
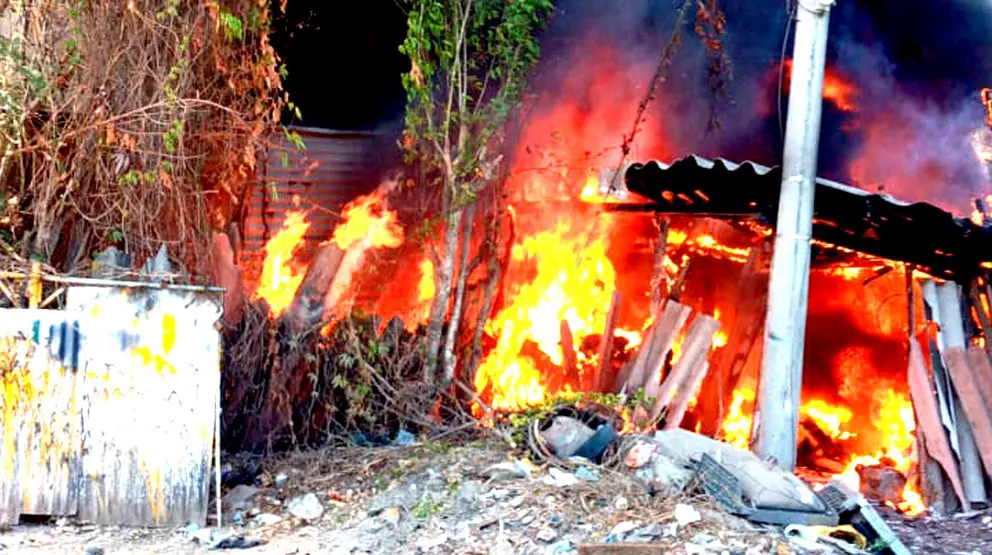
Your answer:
<point x="336" y="167"/>
<point x="112" y="417"/>
<point x="920" y="234"/>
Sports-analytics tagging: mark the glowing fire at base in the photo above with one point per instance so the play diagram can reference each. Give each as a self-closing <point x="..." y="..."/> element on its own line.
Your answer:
<point x="893" y="420"/>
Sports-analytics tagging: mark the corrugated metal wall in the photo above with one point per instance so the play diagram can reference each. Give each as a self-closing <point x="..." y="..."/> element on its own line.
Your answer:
<point x="108" y="407"/>
<point x="336" y="167"/>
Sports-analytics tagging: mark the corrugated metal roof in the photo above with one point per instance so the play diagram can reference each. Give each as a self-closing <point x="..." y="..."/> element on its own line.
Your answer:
<point x="916" y="233"/>
<point x="335" y="167"/>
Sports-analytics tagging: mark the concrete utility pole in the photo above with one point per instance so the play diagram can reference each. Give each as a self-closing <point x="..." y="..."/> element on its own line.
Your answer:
<point x="785" y="325"/>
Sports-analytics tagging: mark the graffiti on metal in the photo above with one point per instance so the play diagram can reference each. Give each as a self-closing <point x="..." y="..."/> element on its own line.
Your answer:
<point x="109" y="406"/>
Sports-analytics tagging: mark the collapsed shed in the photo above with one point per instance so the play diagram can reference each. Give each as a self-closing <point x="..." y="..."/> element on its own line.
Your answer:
<point x="945" y="260"/>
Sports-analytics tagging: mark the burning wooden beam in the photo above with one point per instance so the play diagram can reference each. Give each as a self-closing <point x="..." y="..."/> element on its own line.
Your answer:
<point x="606" y="345"/>
<point x="308" y="306"/>
<point x="695" y="349"/>
<point x="646" y="369"/>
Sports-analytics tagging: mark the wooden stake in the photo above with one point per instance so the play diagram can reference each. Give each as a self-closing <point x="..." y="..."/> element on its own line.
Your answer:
<point x="659" y="277"/>
<point x="568" y="349"/>
<point x="604" y="374"/>
<point x="34" y="285"/>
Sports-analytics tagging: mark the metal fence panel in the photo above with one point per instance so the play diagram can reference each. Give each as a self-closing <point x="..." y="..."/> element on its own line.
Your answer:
<point x="41" y="445"/>
<point x="130" y="431"/>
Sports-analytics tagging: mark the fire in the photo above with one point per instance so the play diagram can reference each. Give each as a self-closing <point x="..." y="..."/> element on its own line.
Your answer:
<point x="425" y="294"/>
<point x="896" y="422"/>
<point x="893" y="420"/>
<point x="573" y="280"/>
<point x="281" y="276"/>
<point x="425" y="289"/>
<point x="837" y="89"/>
<point x="365" y="221"/>
<point x="736" y="427"/>
<point x="829" y="418"/>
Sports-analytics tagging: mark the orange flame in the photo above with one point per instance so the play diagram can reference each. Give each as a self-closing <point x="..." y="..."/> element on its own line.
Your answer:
<point x="367" y="222"/>
<point x="281" y="277"/>
<point x="736" y="427"/>
<point x="837" y="89"/>
<point x="425" y="294"/>
<point x="572" y="281"/>
<point x="893" y="420"/>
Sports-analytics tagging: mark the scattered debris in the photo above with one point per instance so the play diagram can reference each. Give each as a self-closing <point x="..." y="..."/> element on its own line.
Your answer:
<point x="686" y="515"/>
<point x="559" y="478"/>
<point x="306" y="507"/>
<point x="241" y="498"/>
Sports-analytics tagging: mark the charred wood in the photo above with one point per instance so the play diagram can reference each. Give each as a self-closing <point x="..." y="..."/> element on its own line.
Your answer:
<point x="603" y="373"/>
<point x="568" y="349"/>
<point x="308" y="306"/>
<point x="695" y="350"/>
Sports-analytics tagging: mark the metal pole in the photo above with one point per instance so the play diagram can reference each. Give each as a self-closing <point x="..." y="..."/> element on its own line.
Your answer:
<point x="785" y="326"/>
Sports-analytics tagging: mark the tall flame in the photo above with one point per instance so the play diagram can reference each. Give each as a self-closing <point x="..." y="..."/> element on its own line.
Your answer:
<point x="281" y="275"/>
<point x="365" y="221"/>
<point x="572" y="281"/>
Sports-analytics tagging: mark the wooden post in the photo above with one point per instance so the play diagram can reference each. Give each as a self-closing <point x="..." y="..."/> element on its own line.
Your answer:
<point x="604" y="375"/>
<point x="658" y="279"/>
<point x="777" y="414"/>
<point x="34" y="285"/>
<point x="568" y="350"/>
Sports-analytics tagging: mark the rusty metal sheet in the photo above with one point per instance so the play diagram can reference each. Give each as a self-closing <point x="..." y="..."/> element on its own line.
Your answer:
<point x="148" y="397"/>
<point x="39" y="417"/>
<point x="336" y="167"/>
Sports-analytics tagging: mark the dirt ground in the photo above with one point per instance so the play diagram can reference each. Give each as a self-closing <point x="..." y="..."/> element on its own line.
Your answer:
<point x="474" y="498"/>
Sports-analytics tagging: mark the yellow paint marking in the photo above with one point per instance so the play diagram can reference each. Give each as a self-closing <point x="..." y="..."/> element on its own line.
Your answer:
<point x="168" y="333"/>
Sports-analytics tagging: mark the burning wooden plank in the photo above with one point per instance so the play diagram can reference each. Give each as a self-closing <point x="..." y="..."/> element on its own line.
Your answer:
<point x="658" y="342"/>
<point x="693" y="361"/>
<point x="308" y="306"/>
<point x="606" y="345"/>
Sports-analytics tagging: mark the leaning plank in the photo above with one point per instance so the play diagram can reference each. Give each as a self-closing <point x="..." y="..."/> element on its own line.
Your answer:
<point x="672" y="320"/>
<point x="694" y="351"/>
<point x="568" y="349"/>
<point x="928" y="414"/>
<point x="606" y="345"/>
<point x="624" y="379"/>
<point x="308" y="306"/>
<point x="684" y="397"/>
<point x="975" y="410"/>
<point x="981" y="366"/>
<point x="952" y="327"/>
<point x="940" y="378"/>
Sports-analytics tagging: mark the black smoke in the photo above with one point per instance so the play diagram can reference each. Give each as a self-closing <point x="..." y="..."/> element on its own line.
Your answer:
<point x="919" y="66"/>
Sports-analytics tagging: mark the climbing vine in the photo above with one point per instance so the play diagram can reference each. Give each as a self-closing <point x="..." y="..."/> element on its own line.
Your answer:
<point x="132" y="123"/>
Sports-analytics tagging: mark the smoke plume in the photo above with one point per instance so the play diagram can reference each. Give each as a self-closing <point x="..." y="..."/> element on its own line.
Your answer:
<point x="916" y="68"/>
